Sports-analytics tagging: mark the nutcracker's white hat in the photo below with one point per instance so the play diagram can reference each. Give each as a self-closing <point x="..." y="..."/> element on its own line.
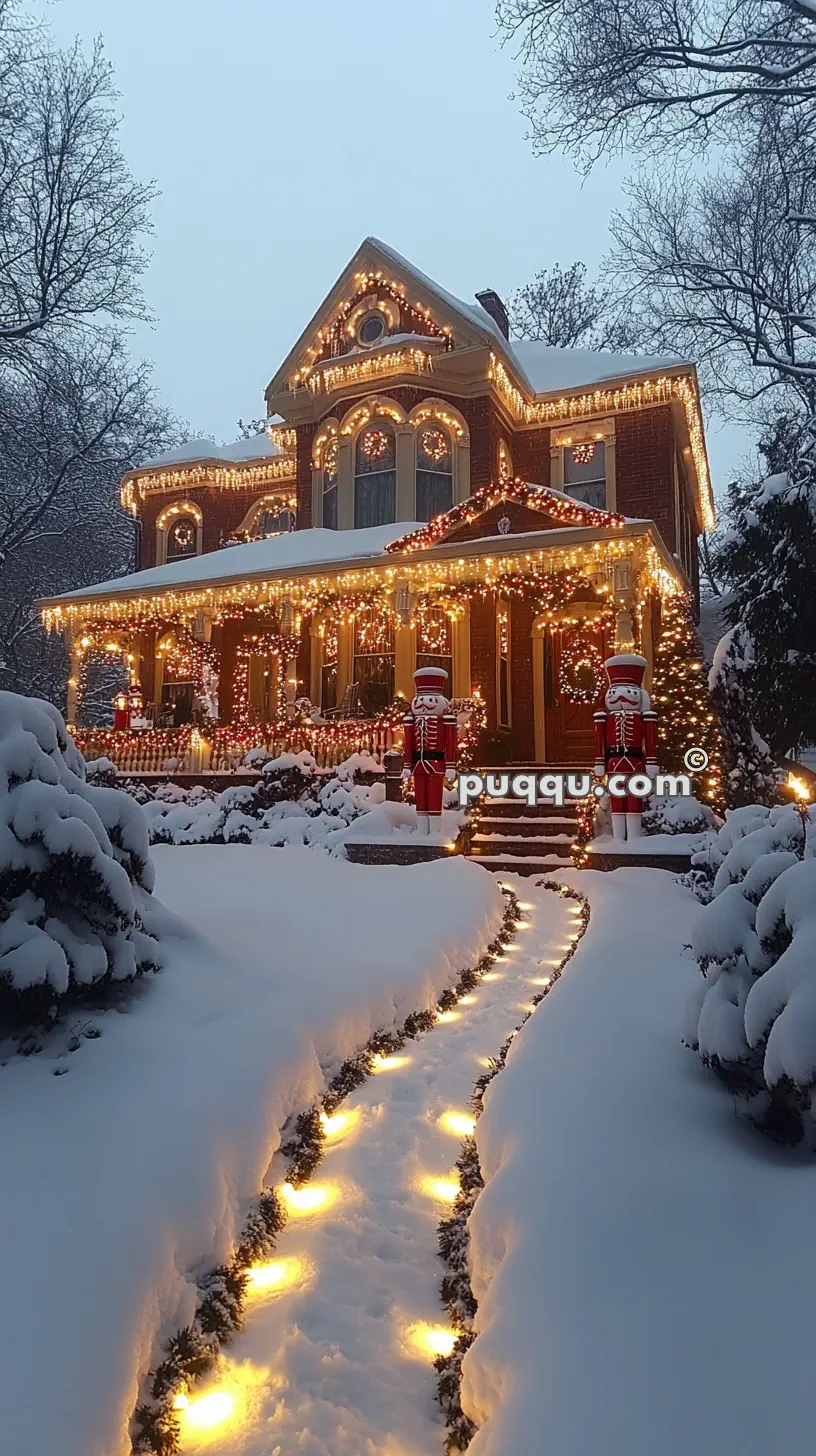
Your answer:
<point x="626" y="667"/>
<point x="431" y="679"/>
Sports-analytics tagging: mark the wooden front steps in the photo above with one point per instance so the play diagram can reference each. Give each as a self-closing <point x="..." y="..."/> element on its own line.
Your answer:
<point x="510" y="836"/>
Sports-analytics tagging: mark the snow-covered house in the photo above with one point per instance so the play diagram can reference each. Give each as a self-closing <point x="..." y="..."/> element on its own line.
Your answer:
<point x="427" y="490"/>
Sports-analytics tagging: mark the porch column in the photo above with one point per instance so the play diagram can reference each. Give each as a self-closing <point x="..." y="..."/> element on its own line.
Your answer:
<point x="406" y="474"/>
<point x="316" y="668"/>
<point x="72" y="687"/>
<point x="404" y="660"/>
<point x="345" y="485"/>
<point x="461" y="471"/>
<point x="460" y="635"/>
<point x="647" y="642"/>
<point x="345" y="657"/>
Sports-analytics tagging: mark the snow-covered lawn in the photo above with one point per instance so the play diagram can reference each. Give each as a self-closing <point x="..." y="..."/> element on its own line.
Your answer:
<point x="644" y="1264"/>
<point x="134" y="1171"/>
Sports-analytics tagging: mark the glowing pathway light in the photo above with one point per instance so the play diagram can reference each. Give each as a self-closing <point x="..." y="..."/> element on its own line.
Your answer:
<point x="445" y="1016"/>
<point x="204" y="1412"/>
<point x="432" y="1340"/>
<point x="339" y="1123"/>
<point x="382" y="1063"/>
<point x="461" y="1124"/>
<point x="444" y="1190"/>
<point x="309" y="1198"/>
<point x="275" y="1276"/>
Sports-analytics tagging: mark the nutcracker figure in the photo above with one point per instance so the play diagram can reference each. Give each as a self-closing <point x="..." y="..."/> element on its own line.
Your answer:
<point x="430" y="744"/>
<point x="625" y="738"/>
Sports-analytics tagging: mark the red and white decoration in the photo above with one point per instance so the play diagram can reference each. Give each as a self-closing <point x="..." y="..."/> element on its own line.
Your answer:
<point x="430" y="744"/>
<point x="625" y="737"/>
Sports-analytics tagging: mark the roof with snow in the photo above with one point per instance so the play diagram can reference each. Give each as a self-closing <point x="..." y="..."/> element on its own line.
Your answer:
<point x="314" y="551"/>
<point x="294" y="551"/>
<point x="256" y="447"/>
<point x="541" y="367"/>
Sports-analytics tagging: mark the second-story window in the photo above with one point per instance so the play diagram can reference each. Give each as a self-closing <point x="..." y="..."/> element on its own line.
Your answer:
<point x="330" y="459"/>
<point x="182" y="537"/>
<point x="434" y="472"/>
<point x="585" y="472"/>
<point x="375" y="476"/>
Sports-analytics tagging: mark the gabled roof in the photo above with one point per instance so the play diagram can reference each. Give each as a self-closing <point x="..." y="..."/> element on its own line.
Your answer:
<point x="542" y="368"/>
<point x="553" y="503"/>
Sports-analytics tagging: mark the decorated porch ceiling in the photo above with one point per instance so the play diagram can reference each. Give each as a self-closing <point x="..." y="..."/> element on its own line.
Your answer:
<point x="561" y="508"/>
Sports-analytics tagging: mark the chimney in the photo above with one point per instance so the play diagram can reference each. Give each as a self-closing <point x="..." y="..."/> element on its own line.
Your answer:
<point x="492" y="304"/>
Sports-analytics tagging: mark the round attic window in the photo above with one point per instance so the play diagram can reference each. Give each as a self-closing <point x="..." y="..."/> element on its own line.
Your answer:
<point x="371" y="329"/>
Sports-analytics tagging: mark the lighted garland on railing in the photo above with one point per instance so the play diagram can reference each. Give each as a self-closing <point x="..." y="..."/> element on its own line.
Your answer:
<point x="193" y="1351"/>
<point x="520" y="492"/>
<point x="457" y="1290"/>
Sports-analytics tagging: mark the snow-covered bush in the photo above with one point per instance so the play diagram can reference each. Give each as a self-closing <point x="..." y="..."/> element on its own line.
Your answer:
<point x="753" y="1019"/>
<point x="101" y="772"/>
<point x="293" y="803"/>
<point x="681" y="815"/>
<point x="75" y="872"/>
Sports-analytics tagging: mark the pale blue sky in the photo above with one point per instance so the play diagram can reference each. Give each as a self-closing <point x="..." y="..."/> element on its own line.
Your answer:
<point x="281" y="134"/>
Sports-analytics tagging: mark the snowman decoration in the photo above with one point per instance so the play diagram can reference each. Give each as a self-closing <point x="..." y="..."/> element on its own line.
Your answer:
<point x="625" y="737"/>
<point x="430" y="744"/>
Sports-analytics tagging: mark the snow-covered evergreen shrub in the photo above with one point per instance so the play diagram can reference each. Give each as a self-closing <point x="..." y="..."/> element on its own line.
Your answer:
<point x="753" y="1019"/>
<point x="680" y="815"/>
<point x="75" y="872"/>
<point x="293" y="803"/>
<point x="750" y="771"/>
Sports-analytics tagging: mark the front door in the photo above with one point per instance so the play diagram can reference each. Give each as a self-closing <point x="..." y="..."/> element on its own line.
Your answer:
<point x="574" y="685"/>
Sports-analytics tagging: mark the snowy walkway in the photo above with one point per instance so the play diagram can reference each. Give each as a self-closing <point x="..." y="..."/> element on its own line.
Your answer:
<point x="336" y="1358"/>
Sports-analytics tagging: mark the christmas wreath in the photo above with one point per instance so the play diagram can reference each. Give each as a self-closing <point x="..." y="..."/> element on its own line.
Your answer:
<point x="581" y="675"/>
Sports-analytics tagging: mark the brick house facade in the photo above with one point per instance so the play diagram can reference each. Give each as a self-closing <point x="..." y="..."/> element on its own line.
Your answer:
<point x="399" y="404"/>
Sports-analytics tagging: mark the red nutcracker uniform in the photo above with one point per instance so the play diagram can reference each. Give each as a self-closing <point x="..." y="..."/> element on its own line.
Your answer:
<point x="625" y="737"/>
<point x="430" y="742"/>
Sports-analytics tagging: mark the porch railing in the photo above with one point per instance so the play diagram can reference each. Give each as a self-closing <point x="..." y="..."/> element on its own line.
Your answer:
<point x="184" y="750"/>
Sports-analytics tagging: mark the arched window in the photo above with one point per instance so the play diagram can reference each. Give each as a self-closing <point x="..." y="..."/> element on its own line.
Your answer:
<point x="434" y="641"/>
<point x="434" y="473"/>
<point x="375" y="475"/>
<point x="275" y="520"/>
<point x="182" y="538"/>
<point x="374" y="658"/>
<point x="330" y="458"/>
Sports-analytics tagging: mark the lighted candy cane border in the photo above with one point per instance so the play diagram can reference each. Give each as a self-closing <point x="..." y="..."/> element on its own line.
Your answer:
<point x="193" y="1351"/>
<point x="457" y="1292"/>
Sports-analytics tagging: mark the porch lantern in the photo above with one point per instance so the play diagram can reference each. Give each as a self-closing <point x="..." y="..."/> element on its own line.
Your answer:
<point x="136" y="701"/>
<point x="121" y="712"/>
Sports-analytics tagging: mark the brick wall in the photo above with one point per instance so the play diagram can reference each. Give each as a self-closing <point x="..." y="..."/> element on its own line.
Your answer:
<point x="531" y="455"/>
<point x="644" y="450"/>
<point x="222" y="510"/>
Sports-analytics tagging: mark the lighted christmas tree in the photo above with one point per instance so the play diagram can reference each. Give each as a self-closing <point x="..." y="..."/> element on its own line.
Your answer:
<point x="686" y="716"/>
